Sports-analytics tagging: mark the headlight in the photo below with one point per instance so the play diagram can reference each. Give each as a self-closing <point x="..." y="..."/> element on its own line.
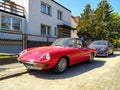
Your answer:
<point x="24" y="51"/>
<point x="45" y="57"/>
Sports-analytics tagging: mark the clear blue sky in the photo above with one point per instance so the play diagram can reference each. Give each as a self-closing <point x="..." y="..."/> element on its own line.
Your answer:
<point x="77" y="6"/>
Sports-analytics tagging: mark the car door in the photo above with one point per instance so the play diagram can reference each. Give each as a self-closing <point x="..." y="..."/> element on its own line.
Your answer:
<point x="76" y="55"/>
<point x="83" y="51"/>
<point x="75" y="51"/>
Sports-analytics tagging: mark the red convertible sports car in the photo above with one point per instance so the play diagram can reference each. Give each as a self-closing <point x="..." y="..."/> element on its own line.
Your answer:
<point x="62" y="53"/>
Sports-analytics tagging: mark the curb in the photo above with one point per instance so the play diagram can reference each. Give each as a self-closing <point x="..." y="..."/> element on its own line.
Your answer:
<point x="12" y="72"/>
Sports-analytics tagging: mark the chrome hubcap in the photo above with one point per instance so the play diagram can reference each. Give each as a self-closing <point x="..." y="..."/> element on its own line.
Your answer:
<point x="62" y="64"/>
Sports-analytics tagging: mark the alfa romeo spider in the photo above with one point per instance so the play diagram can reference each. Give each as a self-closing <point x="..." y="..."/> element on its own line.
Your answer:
<point x="63" y="53"/>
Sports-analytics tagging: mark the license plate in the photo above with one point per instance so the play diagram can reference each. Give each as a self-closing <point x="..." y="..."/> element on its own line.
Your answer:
<point x="32" y="66"/>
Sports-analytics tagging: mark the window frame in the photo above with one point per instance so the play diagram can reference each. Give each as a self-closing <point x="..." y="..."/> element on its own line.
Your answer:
<point x="48" y="9"/>
<point x="20" y="23"/>
<point x="5" y="22"/>
<point x="59" y="15"/>
<point x="11" y="23"/>
<point x="47" y="30"/>
<point x="55" y="32"/>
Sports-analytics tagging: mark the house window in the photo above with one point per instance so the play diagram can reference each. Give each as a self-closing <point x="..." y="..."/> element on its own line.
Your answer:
<point x="55" y="32"/>
<point x="5" y="24"/>
<point x="16" y="24"/>
<point x="45" y="30"/>
<point x="10" y="23"/>
<point x="59" y="15"/>
<point x="45" y="8"/>
<point x="48" y="30"/>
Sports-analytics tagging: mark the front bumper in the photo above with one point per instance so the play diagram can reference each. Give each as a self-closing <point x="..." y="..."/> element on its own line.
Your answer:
<point x="34" y="66"/>
<point x="101" y="54"/>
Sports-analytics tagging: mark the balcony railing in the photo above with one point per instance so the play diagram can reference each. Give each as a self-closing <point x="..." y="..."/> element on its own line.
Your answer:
<point x="12" y="7"/>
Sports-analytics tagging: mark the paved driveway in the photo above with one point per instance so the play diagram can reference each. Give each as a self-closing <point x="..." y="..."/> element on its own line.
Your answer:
<point x="102" y="74"/>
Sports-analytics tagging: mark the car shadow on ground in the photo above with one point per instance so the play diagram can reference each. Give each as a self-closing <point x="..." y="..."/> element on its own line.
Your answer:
<point x="70" y="72"/>
<point x="114" y="55"/>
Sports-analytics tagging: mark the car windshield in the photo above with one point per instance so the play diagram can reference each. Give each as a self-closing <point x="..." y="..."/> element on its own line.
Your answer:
<point x="66" y="42"/>
<point x="99" y="43"/>
<point x="60" y="42"/>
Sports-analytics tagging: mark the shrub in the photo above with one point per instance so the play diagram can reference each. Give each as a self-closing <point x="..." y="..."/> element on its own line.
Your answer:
<point x="116" y="43"/>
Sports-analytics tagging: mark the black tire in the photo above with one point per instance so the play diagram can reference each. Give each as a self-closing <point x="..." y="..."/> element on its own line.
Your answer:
<point x="29" y="70"/>
<point x="61" y="66"/>
<point x="91" y="58"/>
<point x="107" y="54"/>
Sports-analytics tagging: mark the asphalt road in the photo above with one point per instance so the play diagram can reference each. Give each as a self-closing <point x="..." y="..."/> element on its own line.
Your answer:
<point x="102" y="74"/>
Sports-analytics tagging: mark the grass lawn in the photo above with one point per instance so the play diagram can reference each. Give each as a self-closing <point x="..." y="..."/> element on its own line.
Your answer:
<point x="5" y="56"/>
<point x="7" y="59"/>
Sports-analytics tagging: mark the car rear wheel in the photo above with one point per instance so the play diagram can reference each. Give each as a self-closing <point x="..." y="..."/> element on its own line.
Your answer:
<point x="112" y="52"/>
<point x="61" y="66"/>
<point x="91" y="58"/>
<point x="107" y="54"/>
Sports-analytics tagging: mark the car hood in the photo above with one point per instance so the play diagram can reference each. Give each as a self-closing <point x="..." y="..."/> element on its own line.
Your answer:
<point x="98" y="47"/>
<point x="35" y="53"/>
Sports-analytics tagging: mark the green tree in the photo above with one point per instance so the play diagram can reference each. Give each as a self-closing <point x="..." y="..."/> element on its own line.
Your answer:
<point x="115" y="26"/>
<point x="103" y="17"/>
<point x="96" y="24"/>
<point x="84" y="26"/>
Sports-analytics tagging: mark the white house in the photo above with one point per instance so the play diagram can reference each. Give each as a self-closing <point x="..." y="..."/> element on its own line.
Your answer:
<point x="42" y="20"/>
<point x="12" y="25"/>
<point x="46" y="18"/>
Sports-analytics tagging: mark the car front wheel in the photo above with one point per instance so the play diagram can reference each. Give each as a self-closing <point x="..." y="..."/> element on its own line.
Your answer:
<point x="61" y="66"/>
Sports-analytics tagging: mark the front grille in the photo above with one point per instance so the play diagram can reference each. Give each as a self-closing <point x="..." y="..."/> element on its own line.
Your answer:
<point x="27" y="64"/>
<point x="32" y="66"/>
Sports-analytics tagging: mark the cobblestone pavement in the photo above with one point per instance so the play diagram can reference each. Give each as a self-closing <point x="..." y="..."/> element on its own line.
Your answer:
<point x="102" y="74"/>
